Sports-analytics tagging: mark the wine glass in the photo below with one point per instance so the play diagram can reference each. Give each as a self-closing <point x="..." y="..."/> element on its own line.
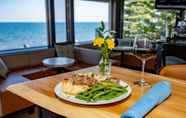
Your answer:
<point x="143" y="56"/>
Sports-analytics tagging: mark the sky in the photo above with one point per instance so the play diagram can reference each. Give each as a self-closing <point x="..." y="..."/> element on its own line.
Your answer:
<point x="34" y="11"/>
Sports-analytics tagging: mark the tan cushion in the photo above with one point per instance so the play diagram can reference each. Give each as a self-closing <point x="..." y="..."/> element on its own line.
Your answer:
<point x="27" y="60"/>
<point x="3" y="69"/>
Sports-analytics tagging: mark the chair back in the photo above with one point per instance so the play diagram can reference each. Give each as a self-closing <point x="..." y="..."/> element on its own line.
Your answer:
<point x="174" y="50"/>
<point x="174" y="71"/>
<point x="133" y="61"/>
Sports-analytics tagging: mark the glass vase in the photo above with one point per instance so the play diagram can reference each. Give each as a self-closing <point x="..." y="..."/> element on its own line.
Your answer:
<point x="105" y="67"/>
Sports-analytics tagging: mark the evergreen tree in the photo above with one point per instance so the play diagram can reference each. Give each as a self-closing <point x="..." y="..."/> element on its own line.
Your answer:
<point x="142" y="19"/>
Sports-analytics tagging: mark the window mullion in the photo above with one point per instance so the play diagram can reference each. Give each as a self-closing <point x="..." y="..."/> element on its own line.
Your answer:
<point x="70" y="21"/>
<point x="50" y="22"/>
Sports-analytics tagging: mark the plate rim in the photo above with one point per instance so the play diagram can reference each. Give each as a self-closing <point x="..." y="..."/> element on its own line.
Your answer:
<point x="102" y="102"/>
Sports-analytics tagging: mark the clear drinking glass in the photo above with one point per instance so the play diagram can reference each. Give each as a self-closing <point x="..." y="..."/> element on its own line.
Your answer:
<point x="143" y="57"/>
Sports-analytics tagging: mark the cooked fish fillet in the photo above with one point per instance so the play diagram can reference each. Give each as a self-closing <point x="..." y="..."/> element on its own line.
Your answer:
<point x="72" y="89"/>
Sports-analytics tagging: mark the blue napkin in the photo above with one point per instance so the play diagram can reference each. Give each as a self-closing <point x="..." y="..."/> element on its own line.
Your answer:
<point x="157" y="94"/>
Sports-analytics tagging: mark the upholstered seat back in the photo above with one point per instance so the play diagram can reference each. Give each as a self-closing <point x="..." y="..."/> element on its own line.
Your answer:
<point x="89" y="56"/>
<point x="3" y="69"/>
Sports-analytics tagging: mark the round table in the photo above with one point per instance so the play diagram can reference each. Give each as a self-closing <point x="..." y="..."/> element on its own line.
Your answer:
<point x="58" y="62"/>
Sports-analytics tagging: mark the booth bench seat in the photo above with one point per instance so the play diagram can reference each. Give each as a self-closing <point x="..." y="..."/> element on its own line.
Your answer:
<point x="9" y="102"/>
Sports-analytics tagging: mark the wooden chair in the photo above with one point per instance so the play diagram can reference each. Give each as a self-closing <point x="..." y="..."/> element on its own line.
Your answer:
<point x="173" y="54"/>
<point x="133" y="61"/>
<point x="174" y="71"/>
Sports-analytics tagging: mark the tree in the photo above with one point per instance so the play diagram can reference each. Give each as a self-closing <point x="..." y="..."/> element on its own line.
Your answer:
<point x="142" y="19"/>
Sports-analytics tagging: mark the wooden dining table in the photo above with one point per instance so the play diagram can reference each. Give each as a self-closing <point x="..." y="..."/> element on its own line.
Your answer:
<point x="41" y="93"/>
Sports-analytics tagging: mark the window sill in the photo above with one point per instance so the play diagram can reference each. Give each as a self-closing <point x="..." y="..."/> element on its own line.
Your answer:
<point x="83" y="43"/>
<point x="22" y="51"/>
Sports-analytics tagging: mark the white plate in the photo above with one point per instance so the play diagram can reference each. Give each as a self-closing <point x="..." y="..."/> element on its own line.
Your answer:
<point x="59" y="92"/>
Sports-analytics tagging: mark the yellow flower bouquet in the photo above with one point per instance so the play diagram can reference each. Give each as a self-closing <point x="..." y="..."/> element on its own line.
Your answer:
<point x="105" y="40"/>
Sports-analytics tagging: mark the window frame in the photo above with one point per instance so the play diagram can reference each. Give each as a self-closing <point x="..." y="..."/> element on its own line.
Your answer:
<point x="69" y="5"/>
<point x="26" y="50"/>
<point x="50" y="23"/>
<point x="109" y="20"/>
<point x="70" y="34"/>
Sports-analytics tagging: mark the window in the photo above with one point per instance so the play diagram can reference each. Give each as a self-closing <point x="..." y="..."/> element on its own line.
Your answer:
<point x="60" y="17"/>
<point x="22" y="24"/>
<point x="141" y="19"/>
<point x="88" y="15"/>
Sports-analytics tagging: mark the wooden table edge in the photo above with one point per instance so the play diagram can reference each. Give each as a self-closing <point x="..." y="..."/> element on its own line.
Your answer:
<point x="23" y="87"/>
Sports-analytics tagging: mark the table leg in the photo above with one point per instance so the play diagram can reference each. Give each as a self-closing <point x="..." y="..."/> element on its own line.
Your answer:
<point x="122" y="59"/>
<point x="42" y="113"/>
<point x="61" y="70"/>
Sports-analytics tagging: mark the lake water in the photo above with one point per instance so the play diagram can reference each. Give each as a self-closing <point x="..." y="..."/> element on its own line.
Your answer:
<point x="18" y="35"/>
